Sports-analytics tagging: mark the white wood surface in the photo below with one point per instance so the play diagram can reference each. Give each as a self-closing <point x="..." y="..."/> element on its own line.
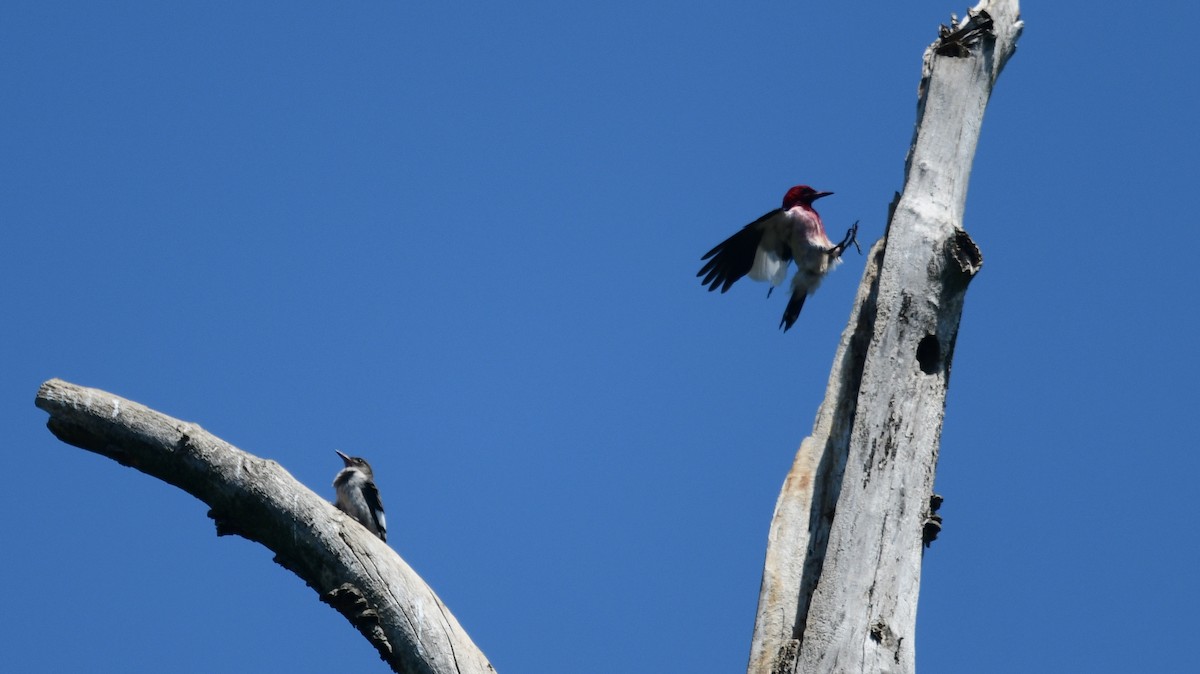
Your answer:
<point x="843" y="564"/>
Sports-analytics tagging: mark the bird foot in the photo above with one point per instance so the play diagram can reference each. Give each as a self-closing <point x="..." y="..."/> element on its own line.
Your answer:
<point x="850" y="238"/>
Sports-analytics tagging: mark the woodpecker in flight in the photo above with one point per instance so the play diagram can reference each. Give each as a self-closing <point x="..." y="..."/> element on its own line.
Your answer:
<point x="357" y="495"/>
<point x="763" y="249"/>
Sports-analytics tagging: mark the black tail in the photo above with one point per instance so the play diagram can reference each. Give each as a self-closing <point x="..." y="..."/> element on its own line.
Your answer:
<point x="792" y="312"/>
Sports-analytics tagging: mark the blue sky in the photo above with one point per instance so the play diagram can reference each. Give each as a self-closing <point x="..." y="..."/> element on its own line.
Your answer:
<point x="460" y="239"/>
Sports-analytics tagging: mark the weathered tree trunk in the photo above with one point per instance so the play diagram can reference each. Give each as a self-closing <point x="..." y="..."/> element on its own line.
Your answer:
<point x="842" y="571"/>
<point x="351" y="569"/>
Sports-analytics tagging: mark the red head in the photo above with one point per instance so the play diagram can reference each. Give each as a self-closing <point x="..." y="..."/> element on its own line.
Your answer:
<point x="802" y="194"/>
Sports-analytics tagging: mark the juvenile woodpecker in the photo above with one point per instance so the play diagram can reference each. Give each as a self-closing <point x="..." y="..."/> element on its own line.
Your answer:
<point x="357" y="495"/>
<point x="763" y="249"/>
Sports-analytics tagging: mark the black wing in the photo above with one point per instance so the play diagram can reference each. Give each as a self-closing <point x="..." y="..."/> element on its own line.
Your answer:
<point x="375" y="505"/>
<point x="733" y="257"/>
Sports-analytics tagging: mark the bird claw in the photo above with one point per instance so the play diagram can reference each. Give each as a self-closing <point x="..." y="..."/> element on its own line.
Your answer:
<point x="850" y="238"/>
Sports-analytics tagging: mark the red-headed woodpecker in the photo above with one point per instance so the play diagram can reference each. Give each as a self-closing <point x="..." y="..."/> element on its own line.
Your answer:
<point x="763" y="249"/>
<point x="357" y="495"/>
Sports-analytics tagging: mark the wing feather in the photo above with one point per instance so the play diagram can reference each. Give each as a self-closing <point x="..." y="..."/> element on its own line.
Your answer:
<point x="734" y="257"/>
<point x="375" y="505"/>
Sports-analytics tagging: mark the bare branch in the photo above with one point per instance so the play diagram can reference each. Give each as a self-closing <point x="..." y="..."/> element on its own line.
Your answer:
<point x="842" y="572"/>
<point x="351" y="569"/>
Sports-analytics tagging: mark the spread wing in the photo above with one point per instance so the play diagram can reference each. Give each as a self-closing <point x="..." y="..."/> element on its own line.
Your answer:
<point x="758" y="246"/>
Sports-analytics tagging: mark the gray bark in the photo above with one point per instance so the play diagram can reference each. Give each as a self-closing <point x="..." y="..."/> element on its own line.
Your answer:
<point x="351" y="569"/>
<point x="842" y="571"/>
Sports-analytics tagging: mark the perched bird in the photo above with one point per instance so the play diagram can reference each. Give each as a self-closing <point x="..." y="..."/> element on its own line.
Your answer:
<point x="763" y="249"/>
<point x="357" y="495"/>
